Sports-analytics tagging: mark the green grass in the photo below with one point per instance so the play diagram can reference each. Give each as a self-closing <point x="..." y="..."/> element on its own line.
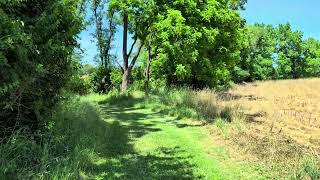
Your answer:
<point x="146" y="144"/>
<point x="129" y="137"/>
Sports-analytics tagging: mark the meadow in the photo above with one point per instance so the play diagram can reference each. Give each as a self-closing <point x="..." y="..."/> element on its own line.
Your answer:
<point x="289" y="107"/>
<point x="170" y="134"/>
<point x="140" y="89"/>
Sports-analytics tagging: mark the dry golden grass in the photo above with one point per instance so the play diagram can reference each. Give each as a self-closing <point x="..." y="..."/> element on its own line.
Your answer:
<point x="288" y="108"/>
<point x="274" y="122"/>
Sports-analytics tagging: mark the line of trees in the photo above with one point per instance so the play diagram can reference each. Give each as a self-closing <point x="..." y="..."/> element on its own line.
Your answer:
<point x="277" y="53"/>
<point x="200" y="44"/>
<point x="191" y="43"/>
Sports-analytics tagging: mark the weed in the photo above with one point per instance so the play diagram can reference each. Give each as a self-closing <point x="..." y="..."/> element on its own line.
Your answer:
<point x="310" y="169"/>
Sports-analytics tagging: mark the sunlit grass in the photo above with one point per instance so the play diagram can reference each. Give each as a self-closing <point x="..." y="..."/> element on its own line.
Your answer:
<point x="170" y="134"/>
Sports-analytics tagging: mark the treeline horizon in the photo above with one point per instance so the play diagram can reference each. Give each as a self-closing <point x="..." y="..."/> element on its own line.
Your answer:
<point x="184" y="49"/>
<point x="264" y="36"/>
<point x="277" y="52"/>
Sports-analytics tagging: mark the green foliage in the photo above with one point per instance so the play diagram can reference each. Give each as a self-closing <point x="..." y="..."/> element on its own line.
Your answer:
<point x="37" y="40"/>
<point x="312" y="55"/>
<point x="102" y="80"/>
<point x="198" y="42"/>
<point x="310" y="169"/>
<point x="276" y="53"/>
<point x="257" y="56"/>
<point x="61" y="152"/>
<point x="290" y="59"/>
<point x="81" y="79"/>
<point x="116" y="77"/>
<point x="136" y="78"/>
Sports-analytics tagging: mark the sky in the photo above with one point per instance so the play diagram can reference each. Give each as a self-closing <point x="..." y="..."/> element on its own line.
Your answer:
<point x="303" y="15"/>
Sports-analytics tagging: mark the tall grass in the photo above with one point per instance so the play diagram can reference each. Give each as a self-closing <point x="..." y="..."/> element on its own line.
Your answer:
<point x="229" y="121"/>
<point x="76" y="134"/>
<point x="309" y="169"/>
<point x="75" y="130"/>
<point x="186" y="103"/>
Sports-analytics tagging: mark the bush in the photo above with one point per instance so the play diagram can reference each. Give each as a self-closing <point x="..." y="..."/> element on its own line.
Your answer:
<point x="37" y="39"/>
<point x="81" y="85"/>
<point x="102" y="80"/>
<point x="136" y="78"/>
<point x="310" y="169"/>
<point x="81" y="80"/>
<point x="116" y="78"/>
<point x="73" y="133"/>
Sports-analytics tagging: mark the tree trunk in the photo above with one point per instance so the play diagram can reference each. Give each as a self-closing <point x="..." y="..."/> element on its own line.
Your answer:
<point x="126" y="67"/>
<point x="125" y="80"/>
<point x="98" y="22"/>
<point x="147" y="72"/>
<point x="126" y="70"/>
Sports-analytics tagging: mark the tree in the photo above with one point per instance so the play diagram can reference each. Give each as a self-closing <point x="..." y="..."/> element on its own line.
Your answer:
<point x="104" y="22"/>
<point x="290" y="60"/>
<point x="37" y="40"/>
<point x="311" y="50"/>
<point x="104" y="33"/>
<point x="136" y="18"/>
<point x="257" y="59"/>
<point x="200" y="41"/>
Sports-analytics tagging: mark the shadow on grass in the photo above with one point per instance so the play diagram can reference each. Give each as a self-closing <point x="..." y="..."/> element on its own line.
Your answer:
<point x="118" y="158"/>
<point x="163" y="163"/>
<point x="231" y="97"/>
<point x="125" y="101"/>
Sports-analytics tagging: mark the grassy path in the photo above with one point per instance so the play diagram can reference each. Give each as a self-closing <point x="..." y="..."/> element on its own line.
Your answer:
<point x="142" y="144"/>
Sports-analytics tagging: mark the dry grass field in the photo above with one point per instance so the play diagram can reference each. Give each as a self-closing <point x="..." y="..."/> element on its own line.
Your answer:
<point x="289" y="107"/>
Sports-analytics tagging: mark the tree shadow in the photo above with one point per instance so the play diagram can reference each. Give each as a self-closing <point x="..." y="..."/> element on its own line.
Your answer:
<point x="226" y="96"/>
<point x="121" y="160"/>
<point x="163" y="163"/>
<point x="253" y="117"/>
<point x="125" y="101"/>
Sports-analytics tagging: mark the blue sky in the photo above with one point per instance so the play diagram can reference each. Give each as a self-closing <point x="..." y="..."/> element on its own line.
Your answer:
<point x="304" y="15"/>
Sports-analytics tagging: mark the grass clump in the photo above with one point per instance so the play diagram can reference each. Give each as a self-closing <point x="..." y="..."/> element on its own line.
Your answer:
<point x="75" y="130"/>
<point x="186" y="103"/>
<point x="309" y="169"/>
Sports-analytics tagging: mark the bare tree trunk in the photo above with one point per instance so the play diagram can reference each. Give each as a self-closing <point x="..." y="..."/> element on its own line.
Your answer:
<point x="147" y="72"/>
<point x="125" y="77"/>
<point x="126" y="67"/>
<point x="125" y="80"/>
<point x="109" y="40"/>
<point x="98" y="22"/>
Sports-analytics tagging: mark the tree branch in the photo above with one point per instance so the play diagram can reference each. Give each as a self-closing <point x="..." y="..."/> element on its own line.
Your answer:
<point x="132" y="46"/>
<point x="120" y="66"/>
<point x="133" y="62"/>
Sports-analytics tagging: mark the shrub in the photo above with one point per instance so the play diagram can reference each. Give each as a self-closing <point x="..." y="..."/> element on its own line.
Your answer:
<point x="81" y="85"/>
<point x="74" y="132"/>
<point x="81" y="79"/>
<point x="116" y="78"/>
<point x="310" y="169"/>
<point x="37" y="39"/>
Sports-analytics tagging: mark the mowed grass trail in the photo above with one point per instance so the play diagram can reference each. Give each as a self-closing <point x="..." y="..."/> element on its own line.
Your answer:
<point x="144" y="144"/>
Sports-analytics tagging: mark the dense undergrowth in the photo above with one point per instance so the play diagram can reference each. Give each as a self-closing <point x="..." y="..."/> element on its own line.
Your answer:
<point x="76" y="132"/>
